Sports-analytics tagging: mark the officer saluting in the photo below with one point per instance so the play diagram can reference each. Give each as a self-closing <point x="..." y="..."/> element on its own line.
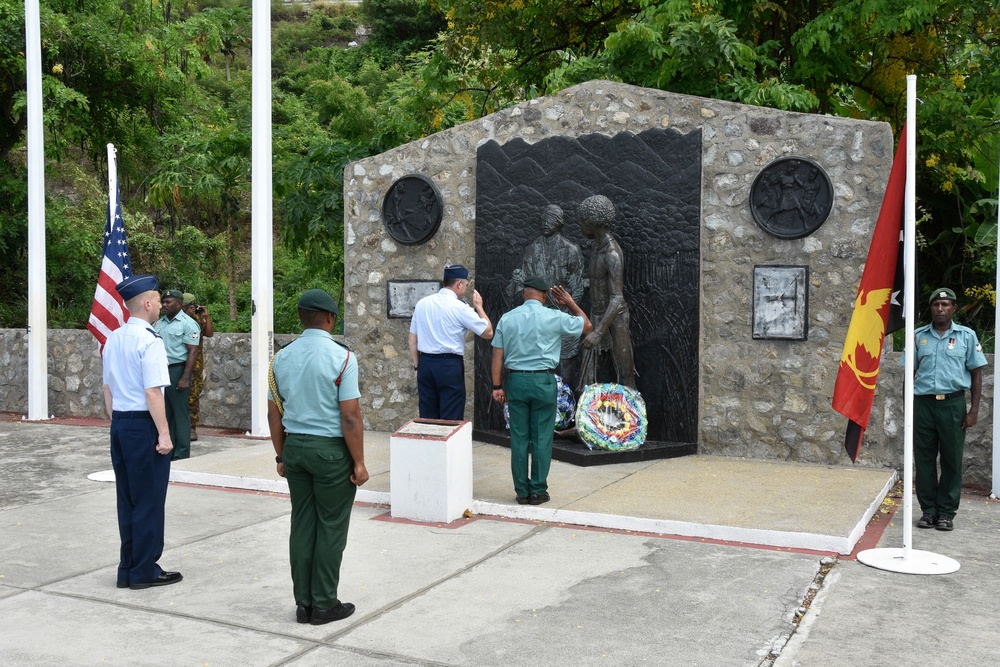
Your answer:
<point x="135" y="373"/>
<point x="318" y="436"/>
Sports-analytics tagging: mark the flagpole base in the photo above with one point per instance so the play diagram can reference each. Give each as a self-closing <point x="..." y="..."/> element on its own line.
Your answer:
<point x="918" y="562"/>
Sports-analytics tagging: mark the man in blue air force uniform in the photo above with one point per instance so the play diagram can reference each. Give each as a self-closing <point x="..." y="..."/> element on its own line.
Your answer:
<point x="135" y="373"/>
<point x="437" y="344"/>
<point x="318" y="436"/>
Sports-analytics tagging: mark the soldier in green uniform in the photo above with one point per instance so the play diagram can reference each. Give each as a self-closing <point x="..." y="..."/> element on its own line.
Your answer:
<point x="948" y="361"/>
<point x="181" y="336"/>
<point x="527" y="342"/>
<point x="315" y="421"/>
<point x="200" y="315"/>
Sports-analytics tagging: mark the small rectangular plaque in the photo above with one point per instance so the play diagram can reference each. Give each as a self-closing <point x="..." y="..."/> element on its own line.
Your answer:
<point x="402" y="296"/>
<point x="780" y="302"/>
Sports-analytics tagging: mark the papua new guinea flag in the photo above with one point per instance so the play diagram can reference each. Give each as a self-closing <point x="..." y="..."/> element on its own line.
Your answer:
<point x="877" y="309"/>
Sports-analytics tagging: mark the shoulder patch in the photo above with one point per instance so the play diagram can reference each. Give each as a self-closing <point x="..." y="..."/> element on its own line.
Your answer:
<point x="152" y="331"/>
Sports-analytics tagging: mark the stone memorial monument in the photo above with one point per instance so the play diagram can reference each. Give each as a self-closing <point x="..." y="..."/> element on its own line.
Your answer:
<point x="719" y="208"/>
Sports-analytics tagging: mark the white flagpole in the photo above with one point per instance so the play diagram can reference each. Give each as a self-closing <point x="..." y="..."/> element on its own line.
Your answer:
<point x="262" y="273"/>
<point x="112" y="180"/>
<point x="910" y="299"/>
<point x="996" y="391"/>
<point x="908" y="560"/>
<point x="38" y="360"/>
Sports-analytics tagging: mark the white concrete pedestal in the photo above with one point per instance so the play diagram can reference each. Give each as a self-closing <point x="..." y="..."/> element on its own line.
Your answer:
<point x="430" y="470"/>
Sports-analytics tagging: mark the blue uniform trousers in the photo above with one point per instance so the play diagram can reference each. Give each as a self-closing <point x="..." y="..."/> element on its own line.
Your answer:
<point x="141" y="477"/>
<point x="318" y="470"/>
<point x="178" y="414"/>
<point x="531" y="399"/>
<point x="441" y="386"/>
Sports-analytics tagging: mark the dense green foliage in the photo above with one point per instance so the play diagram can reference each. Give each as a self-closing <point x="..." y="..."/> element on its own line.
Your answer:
<point x="169" y="85"/>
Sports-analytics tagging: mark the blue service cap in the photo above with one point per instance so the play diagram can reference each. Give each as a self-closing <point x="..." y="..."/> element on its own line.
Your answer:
<point x="456" y="271"/>
<point x="133" y="286"/>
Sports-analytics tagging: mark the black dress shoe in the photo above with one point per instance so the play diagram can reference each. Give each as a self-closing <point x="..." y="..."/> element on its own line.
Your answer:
<point x="322" y="616"/>
<point x="165" y="579"/>
<point x="523" y="500"/>
<point x="122" y="584"/>
<point x="927" y="521"/>
<point x="303" y="613"/>
<point x="538" y="498"/>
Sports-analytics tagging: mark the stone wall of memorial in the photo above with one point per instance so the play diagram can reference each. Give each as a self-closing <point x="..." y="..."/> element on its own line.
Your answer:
<point x="758" y="398"/>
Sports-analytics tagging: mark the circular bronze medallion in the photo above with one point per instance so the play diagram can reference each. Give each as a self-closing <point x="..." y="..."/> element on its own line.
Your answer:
<point x="411" y="210"/>
<point x="791" y="197"/>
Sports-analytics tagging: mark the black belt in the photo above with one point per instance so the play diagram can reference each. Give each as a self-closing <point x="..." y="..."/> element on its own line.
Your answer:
<point x="443" y="355"/>
<point x="548" y="371"/>
<point x="131" y="414"/>
<point x="179" y="363"/>
<point x="942" y="397"/>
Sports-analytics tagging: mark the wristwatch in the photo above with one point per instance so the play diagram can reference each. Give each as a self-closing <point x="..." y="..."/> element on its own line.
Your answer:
<point x="277" y="459"/>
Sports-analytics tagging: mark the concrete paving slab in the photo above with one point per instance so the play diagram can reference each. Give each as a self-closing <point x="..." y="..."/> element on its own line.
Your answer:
<point x="48" y="629"/>
<point x="867" y="617"/>
<point x="588" y="598"/>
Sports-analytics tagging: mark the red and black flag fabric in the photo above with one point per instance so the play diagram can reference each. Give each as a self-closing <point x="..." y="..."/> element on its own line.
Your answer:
<point x="877" y="309"/>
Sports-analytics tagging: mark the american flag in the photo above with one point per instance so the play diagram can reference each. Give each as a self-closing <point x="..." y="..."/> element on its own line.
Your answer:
<point x="108" y="311"/>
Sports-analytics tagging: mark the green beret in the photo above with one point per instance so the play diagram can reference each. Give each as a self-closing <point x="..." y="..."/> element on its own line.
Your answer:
<point x="317" y="299"/>
<point x="942" y="293"/>
<point x="534" y="282"/>
<point x="173" y="294"/>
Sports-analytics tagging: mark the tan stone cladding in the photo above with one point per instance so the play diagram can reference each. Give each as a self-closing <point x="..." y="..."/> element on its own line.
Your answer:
<point x="758" y="398"/>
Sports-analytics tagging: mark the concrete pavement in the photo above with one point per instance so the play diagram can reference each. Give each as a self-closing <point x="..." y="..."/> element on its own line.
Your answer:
<point x="492" y="590"/>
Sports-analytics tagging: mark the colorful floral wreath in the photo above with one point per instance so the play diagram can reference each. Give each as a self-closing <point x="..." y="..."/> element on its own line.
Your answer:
<point x="611" y="417"/>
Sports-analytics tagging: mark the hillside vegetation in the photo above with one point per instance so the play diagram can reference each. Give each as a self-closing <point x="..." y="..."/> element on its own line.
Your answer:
<point x="169" y="84"/>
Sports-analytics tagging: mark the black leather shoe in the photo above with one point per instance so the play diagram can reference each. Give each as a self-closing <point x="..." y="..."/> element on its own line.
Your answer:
<point x="322" y="616"/>
<point x="523" y="500"/>
<point x="945" y="523"/>
<point x="303" y="613"/>
<point x="927" y="521"/>
<point x="165" y="579"/>
<point x="122" y="584"/>
<point x="538" y="498"/>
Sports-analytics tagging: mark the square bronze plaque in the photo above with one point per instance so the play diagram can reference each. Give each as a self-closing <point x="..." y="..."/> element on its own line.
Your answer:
<point x="780" y="302"/>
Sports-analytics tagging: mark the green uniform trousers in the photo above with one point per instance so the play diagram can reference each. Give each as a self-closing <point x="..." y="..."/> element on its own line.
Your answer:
<point x="531" y="400"/>
<point x="318" y="470"/>
<point x="178" y="417"/>
<point x="937" y="431"/>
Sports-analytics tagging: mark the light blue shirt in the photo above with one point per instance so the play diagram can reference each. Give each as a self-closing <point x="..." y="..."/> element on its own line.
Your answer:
<point x="531" y="336"/>
<point x="306" y="372"/>
<point x="944" y="359"/>
<point x="440" y="322"/>
<point x="177" y="334"/>
<point x="134" y="361"/>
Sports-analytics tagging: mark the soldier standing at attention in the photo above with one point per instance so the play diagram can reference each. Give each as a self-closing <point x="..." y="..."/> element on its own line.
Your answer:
<point x="135" y="373"/>
<point x="948" y="361"/>
<point x="181" y="336"/>
<point x="315" y="420"/>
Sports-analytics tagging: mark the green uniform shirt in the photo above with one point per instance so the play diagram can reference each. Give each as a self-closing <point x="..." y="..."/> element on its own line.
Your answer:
<point x="177" y="334"/>
<point x="943" y="360"/>
<point x="306" y="372"/>
<point x="531" y="336"/>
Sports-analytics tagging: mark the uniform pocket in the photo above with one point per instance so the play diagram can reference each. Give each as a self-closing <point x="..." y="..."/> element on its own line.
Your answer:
<point x="331" y="455"/>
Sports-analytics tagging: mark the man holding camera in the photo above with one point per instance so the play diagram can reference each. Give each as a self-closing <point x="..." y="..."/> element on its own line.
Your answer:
<point x="200" y="315"/>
